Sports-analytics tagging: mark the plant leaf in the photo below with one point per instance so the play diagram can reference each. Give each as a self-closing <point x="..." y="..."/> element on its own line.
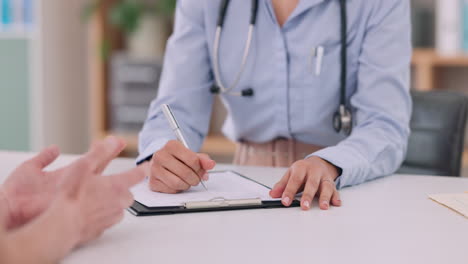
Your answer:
<point x="89" y="9"/>
<point x="126" y="15"/>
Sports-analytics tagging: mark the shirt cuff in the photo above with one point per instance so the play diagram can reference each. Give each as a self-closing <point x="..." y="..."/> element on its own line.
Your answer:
<point x="340" y="157"/>
<point x="148" y="151"/>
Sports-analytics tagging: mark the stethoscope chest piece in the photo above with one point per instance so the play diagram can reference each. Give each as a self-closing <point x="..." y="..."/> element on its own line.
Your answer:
<point x="343" y="120"/>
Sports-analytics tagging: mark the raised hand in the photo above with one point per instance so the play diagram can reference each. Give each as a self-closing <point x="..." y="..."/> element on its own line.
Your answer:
<point x="99" y="201"/>
<point x="84" y="205"/>
<point x="29" y="189"/>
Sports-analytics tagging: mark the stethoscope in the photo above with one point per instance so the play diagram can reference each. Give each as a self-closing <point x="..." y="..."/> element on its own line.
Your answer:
<point x="342" y="119"/>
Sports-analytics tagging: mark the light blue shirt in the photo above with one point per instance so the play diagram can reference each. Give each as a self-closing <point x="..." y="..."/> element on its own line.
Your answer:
<point x="291" y="100"/>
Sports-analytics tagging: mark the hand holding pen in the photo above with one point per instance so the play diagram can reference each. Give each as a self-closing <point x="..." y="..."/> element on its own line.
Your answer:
<point x="175" y="168"/>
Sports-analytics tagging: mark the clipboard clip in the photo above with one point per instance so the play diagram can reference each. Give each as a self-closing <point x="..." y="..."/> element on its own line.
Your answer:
<point x="220" y="202"/>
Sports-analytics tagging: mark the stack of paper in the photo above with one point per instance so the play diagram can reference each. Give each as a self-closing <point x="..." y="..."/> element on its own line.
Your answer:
<point x="222" y="185"/>
<point x="457" y="202"/>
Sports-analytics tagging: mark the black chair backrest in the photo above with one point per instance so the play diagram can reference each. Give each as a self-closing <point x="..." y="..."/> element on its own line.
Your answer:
<point x="436" y="142"/>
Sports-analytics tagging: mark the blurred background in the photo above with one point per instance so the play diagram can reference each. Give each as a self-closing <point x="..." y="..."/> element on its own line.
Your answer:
<point x="73" y="71"/>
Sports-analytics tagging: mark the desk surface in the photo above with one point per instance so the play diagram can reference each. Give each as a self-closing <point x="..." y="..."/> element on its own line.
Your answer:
<point x="389" y="220"/>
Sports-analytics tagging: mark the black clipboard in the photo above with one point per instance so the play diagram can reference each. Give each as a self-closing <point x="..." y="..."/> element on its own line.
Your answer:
<point x="139" y="209"/>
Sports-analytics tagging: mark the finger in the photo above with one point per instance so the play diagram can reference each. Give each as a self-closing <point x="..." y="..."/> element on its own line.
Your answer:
<point x="279" y="187"/>
<point x="126" y="199"/>
<point x="171" y="180"/>
<point x="206" y="162"/>
<point x="156" y="185"/>
<point x="130" y="178"/>
<point x="326" y="191"/>
<point x="116" y="219"/>
<point x="177" y="168"/>
<point x="103" y="152"/>
<point x="296" y="181"/>
<point x="109" y="221"/>
<point x="184" y="155"/>
<point x="74" y="176"/>
<point x="45" y="157"/>
<point x="310" y="190"/>
<point x="336" y="200"/>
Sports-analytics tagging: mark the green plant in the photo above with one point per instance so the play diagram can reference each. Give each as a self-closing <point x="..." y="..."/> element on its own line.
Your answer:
<point x="126" y="14"/>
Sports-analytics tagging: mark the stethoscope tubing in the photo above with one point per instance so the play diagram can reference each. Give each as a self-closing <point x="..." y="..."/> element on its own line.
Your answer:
<point x="245" y="57"/>
<point x="216" y="60"/>
<point x="344" y="51"/>
<point x="344" y="116"/>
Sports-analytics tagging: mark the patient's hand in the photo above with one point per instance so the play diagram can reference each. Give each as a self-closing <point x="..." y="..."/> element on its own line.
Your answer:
<point x="29" y="190"/>
<point x="80" y="206"/>
<point x="97" y="202"/>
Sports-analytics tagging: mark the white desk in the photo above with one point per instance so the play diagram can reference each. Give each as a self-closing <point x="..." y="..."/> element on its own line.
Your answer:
<point x="389" y="220"/>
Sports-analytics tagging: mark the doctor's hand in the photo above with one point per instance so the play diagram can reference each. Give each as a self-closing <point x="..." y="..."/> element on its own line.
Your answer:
<point x="312" y="176"/>
<point x="174" y="168"/>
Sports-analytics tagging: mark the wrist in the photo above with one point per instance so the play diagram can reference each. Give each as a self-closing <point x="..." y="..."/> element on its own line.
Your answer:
<point x="61" y="223"/>
<point x="48" y="238"/>
<point x="331" y="170"/>
<point x="67" y="222"/>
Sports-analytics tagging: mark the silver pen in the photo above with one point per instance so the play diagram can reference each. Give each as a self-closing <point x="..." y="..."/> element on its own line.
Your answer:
<point x="176" y="129"/>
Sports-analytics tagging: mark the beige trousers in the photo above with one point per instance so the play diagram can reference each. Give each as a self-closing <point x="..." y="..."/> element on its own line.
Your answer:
<point x="276" y="153"/>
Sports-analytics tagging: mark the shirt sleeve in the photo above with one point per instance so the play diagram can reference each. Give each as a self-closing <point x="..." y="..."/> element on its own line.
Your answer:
<point x="382" y="103"/>
<point x="185" y="84"/>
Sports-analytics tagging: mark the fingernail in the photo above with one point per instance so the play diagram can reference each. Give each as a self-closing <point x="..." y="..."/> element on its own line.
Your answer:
<point x="112" y="142"/>
<point x="286" y="201"/>
<point x="307" y="204"/>
<point x="206" y="177"/>
<point x="54" y="150"/>
<point x="325" y="204"/>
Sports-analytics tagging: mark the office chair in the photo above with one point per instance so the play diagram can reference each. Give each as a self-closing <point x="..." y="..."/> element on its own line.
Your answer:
<point x="436" y="142"/>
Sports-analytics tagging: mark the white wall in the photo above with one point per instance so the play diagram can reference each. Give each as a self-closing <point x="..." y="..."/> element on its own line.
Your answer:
<point x="64" y="79"/>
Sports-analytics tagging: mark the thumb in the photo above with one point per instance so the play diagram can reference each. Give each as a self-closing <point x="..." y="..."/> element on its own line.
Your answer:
<point x="132" y="177"/>
<point x="206" y="162"/>
<point x="45" y="157"/>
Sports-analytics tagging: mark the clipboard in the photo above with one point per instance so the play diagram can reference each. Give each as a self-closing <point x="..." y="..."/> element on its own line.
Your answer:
<point x="213" y="204"/>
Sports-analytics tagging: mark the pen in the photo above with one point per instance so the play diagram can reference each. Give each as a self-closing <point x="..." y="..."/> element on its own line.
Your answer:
<point x="176" y="128"/>
<point x="320" y="51"/>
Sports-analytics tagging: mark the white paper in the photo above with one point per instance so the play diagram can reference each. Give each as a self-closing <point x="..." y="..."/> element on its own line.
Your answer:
<point x="457" y="202"/>
<point x="448" y="27"/>
<point x="227" y="185"/>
